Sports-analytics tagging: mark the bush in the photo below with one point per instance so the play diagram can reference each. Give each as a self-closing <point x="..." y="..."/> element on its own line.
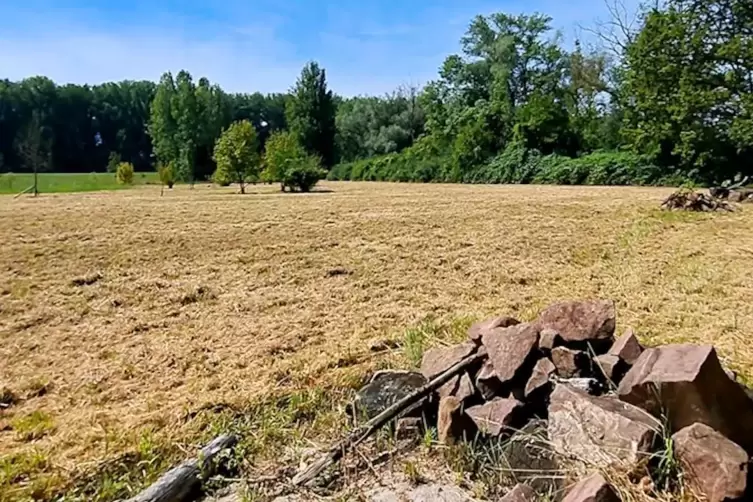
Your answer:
<point x="166" y="174"/>
<point x="124" y="173"/>
<point x="303" y="174"/>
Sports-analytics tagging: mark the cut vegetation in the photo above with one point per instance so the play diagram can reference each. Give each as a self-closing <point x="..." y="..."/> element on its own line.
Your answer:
<point x="135" y="327"/>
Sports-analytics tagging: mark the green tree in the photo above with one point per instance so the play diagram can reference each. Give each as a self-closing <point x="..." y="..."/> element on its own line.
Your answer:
<point x="185" y="112"/>
<point x="688" y="87"/>
<point x="236" y="155"/>
<point x="287" y="162"/>
<point x="163" y="128"/>
<point x="124" y="173"/>
<point x="310" y="113"/>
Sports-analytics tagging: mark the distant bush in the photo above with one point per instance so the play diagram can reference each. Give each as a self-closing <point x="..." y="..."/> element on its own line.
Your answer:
<point x="113" y="161"/>
<point x="288" y="163"/>
<point x="124" y="173"/>
<point x="515" y="164"/>
<point x="303" y="174"/>
<point x="166" y="174"/>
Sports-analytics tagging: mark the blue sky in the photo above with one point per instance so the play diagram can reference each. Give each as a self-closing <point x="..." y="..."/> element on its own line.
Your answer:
<point x="367" y="46"/>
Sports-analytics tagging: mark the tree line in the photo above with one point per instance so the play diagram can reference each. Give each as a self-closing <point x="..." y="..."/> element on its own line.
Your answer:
<point x="668" y="99"/>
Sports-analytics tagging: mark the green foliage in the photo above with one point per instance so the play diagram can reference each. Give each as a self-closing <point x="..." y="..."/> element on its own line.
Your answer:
<point x="113" y="161"/>
<point x="311" y="113"/>
<point x="236" y="155"/>
<point x="166" y="174"/>
<point x="688" y="87"/>
<point x="304" y="173"/>
<point x="124" y="173"/>
<point x="287" y="162"/>
<point x="33" y="426"/>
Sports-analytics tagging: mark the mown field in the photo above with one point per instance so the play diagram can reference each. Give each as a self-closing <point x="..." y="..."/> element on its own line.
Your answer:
<point x="133" y="326"/>
<point x="13" y="183"/>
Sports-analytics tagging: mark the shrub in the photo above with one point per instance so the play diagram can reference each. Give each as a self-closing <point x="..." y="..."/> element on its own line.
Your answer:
<point x="166" y="174"/>
<point x="124" y="173"/>
<point x="303" y="174"/>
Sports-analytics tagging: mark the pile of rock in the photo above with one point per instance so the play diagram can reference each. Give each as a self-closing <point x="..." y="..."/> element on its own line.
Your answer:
<point x="604" y="402"/>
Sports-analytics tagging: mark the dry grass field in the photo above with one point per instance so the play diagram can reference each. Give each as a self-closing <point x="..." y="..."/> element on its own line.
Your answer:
<point x="129" y="322"/>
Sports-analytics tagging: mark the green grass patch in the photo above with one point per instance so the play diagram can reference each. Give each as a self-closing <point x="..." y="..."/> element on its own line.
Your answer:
<point x="33" y="426"/>
<point x="13" y="183"/>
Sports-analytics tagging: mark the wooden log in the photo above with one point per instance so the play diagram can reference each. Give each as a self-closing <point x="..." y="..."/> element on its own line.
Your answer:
<point x="360" y="434"/>
<point x="177" y="484"/>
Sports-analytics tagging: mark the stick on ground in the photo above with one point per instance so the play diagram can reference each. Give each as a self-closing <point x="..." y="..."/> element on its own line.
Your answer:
<point x="357" y="436"/>
<point x="177" y="484"/>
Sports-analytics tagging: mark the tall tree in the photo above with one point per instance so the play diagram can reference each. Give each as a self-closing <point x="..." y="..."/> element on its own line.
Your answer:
<point x="163" y="128"/>
<point x="689" y="87"/>
<point x="310" y="113"/>
<point x="185" y="112"/>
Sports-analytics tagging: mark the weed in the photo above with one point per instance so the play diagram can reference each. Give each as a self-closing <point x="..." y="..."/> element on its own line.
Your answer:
<point x="411" y="471"/>
<point x="33" y="426"/>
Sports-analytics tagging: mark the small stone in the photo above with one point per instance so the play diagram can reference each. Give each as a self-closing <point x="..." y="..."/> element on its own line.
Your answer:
<point x="599" y="431"/>
<point x="408" y="428"/>
<point x="570" y="363"/>
<point x="476" y="331"/>
<point x="487" y="382"/>
<point x="611" y="366"/>
<point x="496" y="416"/>
<point x="627" y="347"/>
<point x="385" y="389"/>
<point x="465" y="388"/>
<point x="549" y="338"/>
<point x="713" y="465"/>
<point x="687" y="384"/>
<point x="731" y="374"/>
<point x="592" y="489"/>
<point x="540" y="377"/>
<point x="521" y="493"/>
<point x="510" y="348"/>
<point x="580" y="321"/>
<point x="450" y="422"/>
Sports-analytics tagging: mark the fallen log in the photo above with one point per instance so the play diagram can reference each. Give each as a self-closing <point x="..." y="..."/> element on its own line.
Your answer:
<point x="360" y="434"/>
<point x="178" y="484"/>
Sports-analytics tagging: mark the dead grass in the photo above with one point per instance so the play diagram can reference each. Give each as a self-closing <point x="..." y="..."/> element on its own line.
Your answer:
<point x="205" y="300"/>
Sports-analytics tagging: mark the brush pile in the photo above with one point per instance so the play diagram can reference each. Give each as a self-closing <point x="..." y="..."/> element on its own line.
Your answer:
<point x="689" y="200"/>
<point x="587" y="398"/>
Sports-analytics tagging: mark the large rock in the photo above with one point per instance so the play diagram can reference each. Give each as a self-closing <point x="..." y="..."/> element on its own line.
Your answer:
<point x="385" y="389"/>
<point x="686" y="384"/>
<point x="599" y="431"/>
<point x="520" y="493"/>
<point x="496" y="416"/>
<point x="477" y="330"/>
<point x="510" y="348"/>
<point x="592" y="489"/>
<point x="570" y="363"/>
<point x="528" y="454"/>
<point x="580" y="321"/>
<point x="539" y="380"/>
<point x="713" y="465"/>
<point x="627" y="347"/>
